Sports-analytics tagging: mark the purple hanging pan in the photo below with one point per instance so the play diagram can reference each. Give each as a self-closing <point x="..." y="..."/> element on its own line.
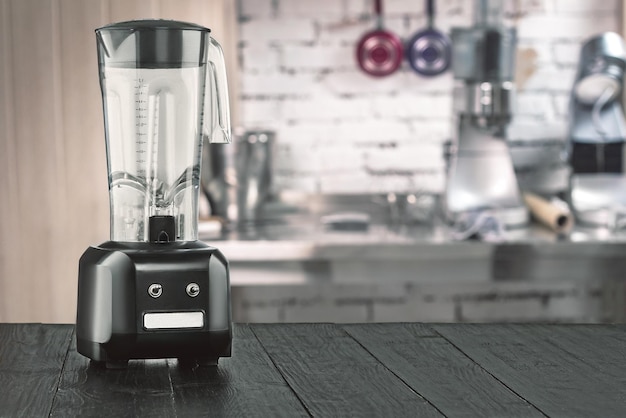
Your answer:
<point x="429" y="51"/>
<point x="379" y="52"/>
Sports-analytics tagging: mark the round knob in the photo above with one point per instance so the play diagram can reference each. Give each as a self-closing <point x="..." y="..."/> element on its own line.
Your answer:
<point x="193" y="289"/>
<point x="155" y="290"/>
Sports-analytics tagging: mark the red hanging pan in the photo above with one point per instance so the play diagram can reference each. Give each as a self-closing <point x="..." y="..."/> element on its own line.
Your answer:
<point x="379" y="52"/>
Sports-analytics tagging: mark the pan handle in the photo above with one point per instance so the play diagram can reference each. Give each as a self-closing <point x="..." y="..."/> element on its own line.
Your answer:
<point x="430" y="12"/>
<point x="378" y="12"/>
<point x="378" y="7"/>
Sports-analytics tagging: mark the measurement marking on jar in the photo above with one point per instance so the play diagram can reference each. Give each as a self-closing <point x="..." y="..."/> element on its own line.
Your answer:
<point x="141" y="116"/>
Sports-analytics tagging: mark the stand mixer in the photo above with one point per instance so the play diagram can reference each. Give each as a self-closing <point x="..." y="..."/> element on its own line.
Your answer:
<point x="481" y="178"/>
<point x="597" y="131"/>
<point x="154" y="290"/>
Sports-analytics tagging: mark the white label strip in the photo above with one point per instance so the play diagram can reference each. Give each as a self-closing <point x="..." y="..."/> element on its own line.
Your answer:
<point x="169" y="320"/>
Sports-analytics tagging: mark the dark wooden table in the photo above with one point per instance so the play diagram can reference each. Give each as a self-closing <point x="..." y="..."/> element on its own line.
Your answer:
<point x="383" y="370"/>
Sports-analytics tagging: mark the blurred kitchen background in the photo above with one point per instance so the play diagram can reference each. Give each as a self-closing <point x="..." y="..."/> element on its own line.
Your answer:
<point x="318" y="137"/>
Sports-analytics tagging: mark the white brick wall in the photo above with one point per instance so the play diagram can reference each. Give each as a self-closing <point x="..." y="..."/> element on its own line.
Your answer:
<point x="255" y="9"/>
<point x="586" y="6"/>
<point x="312" y="9"/>
<point x="299" y="77"/>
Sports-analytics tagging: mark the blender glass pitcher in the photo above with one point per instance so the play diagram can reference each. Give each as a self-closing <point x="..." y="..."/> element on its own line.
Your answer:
<point x="154" y="76"/>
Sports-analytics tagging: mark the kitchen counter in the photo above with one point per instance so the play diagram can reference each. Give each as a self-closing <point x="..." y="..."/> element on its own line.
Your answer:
<point x="303" y="239"/>
<point x="418" y="273"/>
<point x="290" y="370"/>
<point x="305" y="252"/>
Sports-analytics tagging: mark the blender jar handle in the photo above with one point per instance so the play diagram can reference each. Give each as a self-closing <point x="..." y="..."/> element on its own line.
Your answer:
<point x="220" y="111"/>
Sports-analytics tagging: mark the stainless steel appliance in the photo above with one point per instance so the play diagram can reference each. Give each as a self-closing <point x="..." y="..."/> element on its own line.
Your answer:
<point x="153" y="290"/>
<point x="254" y="174"/>
<point x="597" y="131"/>
<point x="481" y="176"/>
<point x="218" y="178"/>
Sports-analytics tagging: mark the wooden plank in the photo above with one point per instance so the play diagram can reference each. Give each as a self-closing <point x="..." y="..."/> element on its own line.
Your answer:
<point x="121" y="10"/>
<point x="245" y="385"/>
<point x="8" y="162"/>
<point x="599" y="348"/>
<point x="31" y="360"/>
<point x="86" y="389"/>
<point x="85" y="174"/>
<point x="334" y="376"/>
<point x="196" y="10"/>
<point x="439" y="372"/>
<point x="603" y="347"/>
<point x="39" y="221"/>
<point x="559" y="382"/>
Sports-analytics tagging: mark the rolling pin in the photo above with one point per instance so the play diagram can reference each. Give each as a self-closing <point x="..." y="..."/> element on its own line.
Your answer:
<point x="556" y="217"/>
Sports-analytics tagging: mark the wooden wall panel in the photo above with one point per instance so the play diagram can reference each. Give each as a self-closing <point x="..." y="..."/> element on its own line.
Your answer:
<point x="36" y="164"/>
<point x="82" y="135"/>
<point x="53" y="178"/>
<point x="120" y="10"/>
<point x="8" y="180"/>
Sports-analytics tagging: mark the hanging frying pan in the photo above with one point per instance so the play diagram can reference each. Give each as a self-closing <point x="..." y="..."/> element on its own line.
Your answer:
<point x="429" y="51"/>
<point x="379" y="52"/>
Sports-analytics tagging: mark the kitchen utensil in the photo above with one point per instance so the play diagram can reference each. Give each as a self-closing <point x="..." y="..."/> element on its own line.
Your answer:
<point x="254" y="174"/>
<point x="217" y="178"/>
<point x="154" y="291"/>
<point x="429" y="50"/>
<point x="346" y="221"/>
<point x="379" y="52"/>
<point x="554" y="215"/>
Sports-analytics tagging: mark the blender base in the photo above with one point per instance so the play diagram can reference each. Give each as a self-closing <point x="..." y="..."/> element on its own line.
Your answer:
<point x="149" y="301"/>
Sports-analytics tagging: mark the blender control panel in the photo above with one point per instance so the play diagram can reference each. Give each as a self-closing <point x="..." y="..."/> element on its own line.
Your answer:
<point x="172" y="300"/>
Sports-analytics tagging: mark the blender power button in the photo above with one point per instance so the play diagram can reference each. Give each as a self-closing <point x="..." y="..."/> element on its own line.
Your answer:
<point x="193" y="289"/>
<point x="155" y="290"/>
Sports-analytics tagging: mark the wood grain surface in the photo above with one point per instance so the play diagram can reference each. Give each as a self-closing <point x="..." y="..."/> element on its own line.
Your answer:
<point x="437" y="370"/>
<point x="293" y="370"/>
<point x="88" y="389"/>
<point x="31" y="360"/>
<point x="245" y="385"/>
<point x="564" y="371"/>
<point x="334" y="376"/>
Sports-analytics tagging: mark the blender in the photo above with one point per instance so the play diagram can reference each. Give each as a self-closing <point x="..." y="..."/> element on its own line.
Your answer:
<point x="481" y="177"/>
<point x="154" y="290"/>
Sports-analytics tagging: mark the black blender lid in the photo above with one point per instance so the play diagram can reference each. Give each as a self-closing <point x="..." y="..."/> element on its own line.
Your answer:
<point x="153" y="24"/>
<point x="154" y="43"/>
